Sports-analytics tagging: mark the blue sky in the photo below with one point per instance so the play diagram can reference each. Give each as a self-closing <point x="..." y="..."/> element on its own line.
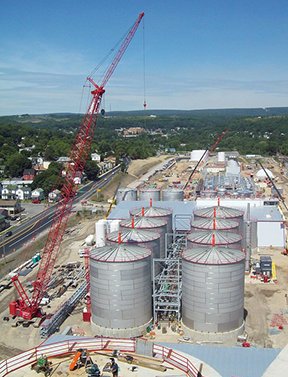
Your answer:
<point x="199" y="54"/>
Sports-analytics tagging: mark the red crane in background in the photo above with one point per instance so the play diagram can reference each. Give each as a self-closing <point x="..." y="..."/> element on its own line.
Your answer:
<point x="209" y="150"/>
<point x="28" y="307"/>
<point x="218" y="140"/>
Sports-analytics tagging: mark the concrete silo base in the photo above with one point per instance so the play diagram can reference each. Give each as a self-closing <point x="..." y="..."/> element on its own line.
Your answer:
<point x="120" y="333"/>
<point x="206" y="337"/>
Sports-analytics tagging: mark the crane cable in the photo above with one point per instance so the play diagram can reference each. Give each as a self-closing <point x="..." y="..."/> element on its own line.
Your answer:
<point x="144" y="68"/>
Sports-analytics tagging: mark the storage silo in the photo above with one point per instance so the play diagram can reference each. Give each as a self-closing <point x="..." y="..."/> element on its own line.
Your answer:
<point x="149" y="194"/>
<point x="155" y="212"/>
<point x="138" y="237"/>
<point x="213" y="293"/>
<point x="215" y="223"/>
<point x="172" y="195"/>
<point x="150" y="224"/>
<point x="101" y="231"/>
<point x="220" y="212"/>
<point x="126" y="193"/>
<point x="214" y="237"/>
<point x="121" y="300"/>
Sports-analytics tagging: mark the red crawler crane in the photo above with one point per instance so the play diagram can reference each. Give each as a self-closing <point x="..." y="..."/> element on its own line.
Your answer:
<point x="25" y="306"/>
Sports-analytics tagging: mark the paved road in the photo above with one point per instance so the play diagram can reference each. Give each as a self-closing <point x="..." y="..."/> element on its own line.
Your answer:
<point x="30" y="228"/>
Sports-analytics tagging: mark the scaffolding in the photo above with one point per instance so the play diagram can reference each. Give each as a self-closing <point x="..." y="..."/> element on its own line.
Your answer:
<point x="167" y="285"/>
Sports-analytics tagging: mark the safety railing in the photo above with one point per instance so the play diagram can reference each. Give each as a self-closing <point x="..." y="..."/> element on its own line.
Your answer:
<point x="176" y="359"/>
<point x="93" y="344"/>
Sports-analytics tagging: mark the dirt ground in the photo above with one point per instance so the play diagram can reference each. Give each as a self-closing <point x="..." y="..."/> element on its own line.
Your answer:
<point x="267" y="306"/>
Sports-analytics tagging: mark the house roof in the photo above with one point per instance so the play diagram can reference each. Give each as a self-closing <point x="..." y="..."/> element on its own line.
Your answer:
<point x="8" y="203"/>
<point x="29" y="172"/>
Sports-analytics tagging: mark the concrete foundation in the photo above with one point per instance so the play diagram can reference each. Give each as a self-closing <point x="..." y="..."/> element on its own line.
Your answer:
<point x="120" y="333"/>
<point x="214" y="337"/>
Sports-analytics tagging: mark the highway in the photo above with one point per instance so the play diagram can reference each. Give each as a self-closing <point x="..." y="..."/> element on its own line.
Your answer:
<point x="30" y="228"/>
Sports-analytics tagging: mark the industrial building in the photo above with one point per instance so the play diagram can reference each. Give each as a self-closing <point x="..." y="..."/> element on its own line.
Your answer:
<point x="195" y="265"/>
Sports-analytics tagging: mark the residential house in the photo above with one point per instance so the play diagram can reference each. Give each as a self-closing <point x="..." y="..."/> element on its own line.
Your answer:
<point x="133" y="131"/>
<point x="23" y="193"/>
<point x="9" y="192"/>
<point x="16" y="182"/>
<point x="95" y="157"/>
<point x="78" y="178"/>
<point x="37" y="194"/>
<point x="12" y="206"/>
<point x="54" y="196"/>
<point x="29" y="174"/>
<point x="110" y="162"/>
<point x="63" y="159"/>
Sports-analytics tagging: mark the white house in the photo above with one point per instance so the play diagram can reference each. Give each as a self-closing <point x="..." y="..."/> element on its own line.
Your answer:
<point x="23" y="193"/>
<point x="37" y="194"/>
<point x="95" y="157"/>
<point x="54" y="196"/>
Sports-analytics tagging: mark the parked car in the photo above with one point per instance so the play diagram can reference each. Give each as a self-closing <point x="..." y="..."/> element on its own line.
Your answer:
<point x="36" y="201"/>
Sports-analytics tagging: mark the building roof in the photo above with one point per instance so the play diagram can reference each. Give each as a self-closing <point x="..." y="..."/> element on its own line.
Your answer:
<point x="8" y="203"/>
<point x="232" y="361"/>
<point x="261" y="173"/>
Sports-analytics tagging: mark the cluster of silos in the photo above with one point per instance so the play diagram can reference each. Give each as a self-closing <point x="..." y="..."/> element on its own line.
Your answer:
<point x="120" y="290"/>
<point x="213" y="267"/>
<point x="154" y="194"/>
<point x="121" y="287"/>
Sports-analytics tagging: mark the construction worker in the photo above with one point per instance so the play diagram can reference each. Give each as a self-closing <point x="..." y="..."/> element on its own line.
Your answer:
<point x="114" y="368"/>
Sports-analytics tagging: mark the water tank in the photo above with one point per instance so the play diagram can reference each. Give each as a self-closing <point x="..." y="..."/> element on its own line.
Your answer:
<point x="149" y="194"/>
<point x="121" y="301"/>
<point x="213" y="290"/>
<point x="113" y="225"/>
<point x="214" y="237"/>
<point x="215" y="223"/>
<point x="221" y="156"/>
<point x="148" y="223"/>
<point x="100" y="230"/>
<point x="155" y="212"/>
<point x="173" y="195"/>
<point x="125" y="193"/>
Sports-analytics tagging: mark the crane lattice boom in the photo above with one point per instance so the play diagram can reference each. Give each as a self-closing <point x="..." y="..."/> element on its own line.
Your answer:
<point x="29" y="307"/>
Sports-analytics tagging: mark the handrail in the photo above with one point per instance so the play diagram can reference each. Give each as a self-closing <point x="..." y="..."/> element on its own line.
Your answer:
<point x="92" y="344"/>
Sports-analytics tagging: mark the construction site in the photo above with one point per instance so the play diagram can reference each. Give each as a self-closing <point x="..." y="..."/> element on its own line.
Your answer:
<point x="187" y="259"/>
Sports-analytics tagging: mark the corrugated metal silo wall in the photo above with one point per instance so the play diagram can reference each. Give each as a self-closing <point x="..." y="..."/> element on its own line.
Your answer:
<point x="121" y="293"/>
<point x="213" y="296"/>
<point x="173" y="195"/>
<point x="149" y="194"/>
<point x="126" y="194"/>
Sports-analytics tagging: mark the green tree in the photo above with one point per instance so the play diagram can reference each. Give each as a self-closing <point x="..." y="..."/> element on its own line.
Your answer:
<point x="15" y="165"/>
<point x="49" y="179"/>
<point x="91" y="170"/>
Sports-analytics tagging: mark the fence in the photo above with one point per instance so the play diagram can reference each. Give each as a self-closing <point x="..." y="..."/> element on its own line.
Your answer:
<point x="93" y="344"/>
